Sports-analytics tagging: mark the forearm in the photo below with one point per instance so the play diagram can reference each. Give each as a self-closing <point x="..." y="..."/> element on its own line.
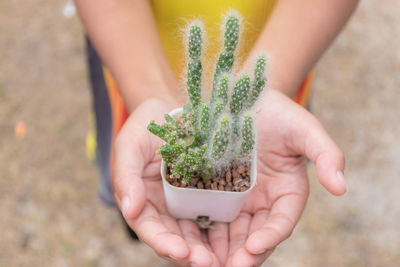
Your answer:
<point x="297" y="34"/>
<point x="125" y="35"/>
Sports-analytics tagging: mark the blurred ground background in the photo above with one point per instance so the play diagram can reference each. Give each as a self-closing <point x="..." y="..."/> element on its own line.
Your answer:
<point x="50" y="214"/>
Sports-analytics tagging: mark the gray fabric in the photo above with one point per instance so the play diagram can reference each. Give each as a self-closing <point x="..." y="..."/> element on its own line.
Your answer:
<point x="102" y="109"/>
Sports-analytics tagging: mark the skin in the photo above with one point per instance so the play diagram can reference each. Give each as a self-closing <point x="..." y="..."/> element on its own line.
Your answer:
<point x="148" y="85"/>
<point x="141" y="69"/>
<point x="270" y="213"/>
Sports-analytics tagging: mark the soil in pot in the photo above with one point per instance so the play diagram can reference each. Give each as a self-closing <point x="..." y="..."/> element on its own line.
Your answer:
<point x="235" y="178"/>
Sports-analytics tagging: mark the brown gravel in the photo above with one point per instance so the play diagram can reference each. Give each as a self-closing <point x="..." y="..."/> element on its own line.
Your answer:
<point x="240" y="173"/>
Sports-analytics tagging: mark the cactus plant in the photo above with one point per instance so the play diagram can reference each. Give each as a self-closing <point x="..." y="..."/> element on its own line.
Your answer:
<point x="209" y="135"/>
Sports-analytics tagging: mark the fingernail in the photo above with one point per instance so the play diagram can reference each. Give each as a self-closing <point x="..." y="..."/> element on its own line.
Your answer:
<point x="125" y="203"/>
<point x="193" y="265"/>
<point x="340" y="177"/>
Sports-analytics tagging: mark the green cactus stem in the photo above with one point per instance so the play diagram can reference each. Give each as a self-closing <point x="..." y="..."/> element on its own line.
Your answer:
<point x="171" y="121"/>
<point x="157" y="130"/>
<point x="247" y="136"/>
<point x="240" y="94"/>
<point x="194" y="67"/>
<point x="193" y="160"/>
<point x="259" y="80"/>
<point x="169" y="152"/>
<point x="221" y="139"/>
<point x="194" y="82"/>
<point x="231" y="36"/>
<point x="204" y="119"/>
<point x="195" y="41"/>
<point x="222" y="92"/>
<point x="227" y="57"/>
<point x="218" y="109"/>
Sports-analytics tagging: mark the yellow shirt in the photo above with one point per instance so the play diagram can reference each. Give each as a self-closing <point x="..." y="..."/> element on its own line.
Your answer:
<point x="172" y="16"/>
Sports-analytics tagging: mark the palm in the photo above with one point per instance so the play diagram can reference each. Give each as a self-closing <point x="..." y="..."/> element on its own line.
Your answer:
<point x="155" y="213"/>
<point x="137" y="172"/>
<point x="276" y="202"/>
<point x="278" y="199"/>
<point x="286" y="132"/>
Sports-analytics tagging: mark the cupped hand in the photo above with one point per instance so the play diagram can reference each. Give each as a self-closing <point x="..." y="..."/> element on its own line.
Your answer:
<point x="287" y="135"/>
<point x="139" y="193"/>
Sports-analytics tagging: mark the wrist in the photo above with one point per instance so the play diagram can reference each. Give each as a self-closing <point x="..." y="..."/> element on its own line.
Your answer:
<point x="140" y="88"/>
<point x="279" y="76"/>
<point x="283" y="86"/>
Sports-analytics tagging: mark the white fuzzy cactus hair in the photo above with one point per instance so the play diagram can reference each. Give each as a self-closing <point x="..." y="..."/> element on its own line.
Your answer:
<point x="212" y="133"/>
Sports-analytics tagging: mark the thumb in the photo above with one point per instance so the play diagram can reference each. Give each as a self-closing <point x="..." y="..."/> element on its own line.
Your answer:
<point x="328" y="158"/>
<point x="134" y="149"/>
<point x="127" y="184"/>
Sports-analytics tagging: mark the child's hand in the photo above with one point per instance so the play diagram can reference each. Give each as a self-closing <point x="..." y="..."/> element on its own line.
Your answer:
<point x="139" y="193"/>
<point x="287" y="134"/>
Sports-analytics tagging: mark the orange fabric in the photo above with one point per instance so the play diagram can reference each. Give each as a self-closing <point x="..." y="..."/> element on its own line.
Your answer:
<point x="118" y="110"/>
<point x="303" y="94"/>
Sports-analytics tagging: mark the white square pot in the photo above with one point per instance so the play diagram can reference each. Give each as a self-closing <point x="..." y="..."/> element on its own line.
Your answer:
<point x="219" y="206"/>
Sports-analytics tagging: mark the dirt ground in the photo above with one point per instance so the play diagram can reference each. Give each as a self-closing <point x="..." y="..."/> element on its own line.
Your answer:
<point x="50" y="214"/>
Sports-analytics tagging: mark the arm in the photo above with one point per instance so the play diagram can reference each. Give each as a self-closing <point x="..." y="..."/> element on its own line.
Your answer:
<point x="296" y="36"/>
<point x="125" y="35"/>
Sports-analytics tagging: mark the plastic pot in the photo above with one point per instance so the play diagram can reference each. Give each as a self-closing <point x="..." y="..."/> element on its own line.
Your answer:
<point x="219" y="206"/>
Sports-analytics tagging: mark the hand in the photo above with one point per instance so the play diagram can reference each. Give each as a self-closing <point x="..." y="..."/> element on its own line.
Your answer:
<point x="287" y="134"/>
<point x="139" y="193"/>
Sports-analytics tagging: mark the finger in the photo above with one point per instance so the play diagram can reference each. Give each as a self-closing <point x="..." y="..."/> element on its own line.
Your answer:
<point x="279" y="224"/>
<point x="218" y="238"/>
<point x="130" y="156"/>
<point x="204" y="238"/>
<point x="238" y="255"/>
<point x="128" y="187"/>
<point x="151" y="230"/>
<point x="199" y="254"/>
<point x="238" y="233"/>
<point x="258" y="220"/>
<point x="206" y="243"/>
<point x="243" y="258"/>
<point x="134" y="148"/>
<point x="311" y="139"/>
<point x="171" y="224"/>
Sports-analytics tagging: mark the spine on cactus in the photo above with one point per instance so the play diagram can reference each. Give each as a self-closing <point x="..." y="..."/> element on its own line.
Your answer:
<point x="238" y="100"/>
<point x="218" y="109"/>
<point x="204" y="119"/>
<point x="157" y="130"/>
<point x="259" y="80"/>
<point x="221" y="138"/>
<point x="221" y="99"/>
<point x="195" y="43"/>
<point x="248" y="139"/>
<point x="194" y="160"/>
<point x="240" y="94"/>
<point x="227" y="57"/>
<point x="222" y="92"/>
<point x="170" y="151"/>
